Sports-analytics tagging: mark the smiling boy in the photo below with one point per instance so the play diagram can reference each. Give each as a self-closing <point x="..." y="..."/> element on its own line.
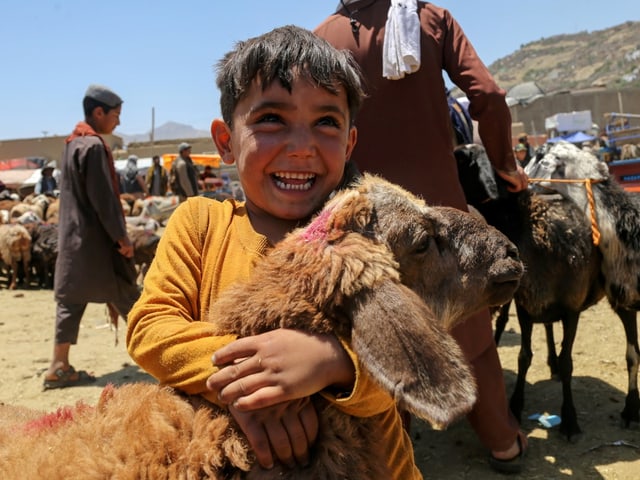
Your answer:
<point x="288" y="100"/>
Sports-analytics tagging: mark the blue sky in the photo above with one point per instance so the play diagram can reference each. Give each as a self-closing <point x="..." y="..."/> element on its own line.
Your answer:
<point x="161" y="55"/>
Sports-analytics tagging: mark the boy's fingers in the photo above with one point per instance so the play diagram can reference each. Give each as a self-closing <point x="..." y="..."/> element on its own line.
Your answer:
<point x="280" y="442"/>
<point x="235" y="381"/>
<point x="259" y="441"/>
<point x="235" y="351"/>
<point x="300" y="431"/>
<point x="309" y="418"/>
<point x="261" y="396"/>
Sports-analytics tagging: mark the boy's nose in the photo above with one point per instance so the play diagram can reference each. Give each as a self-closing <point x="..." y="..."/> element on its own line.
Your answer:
<point x="301" y="142"/>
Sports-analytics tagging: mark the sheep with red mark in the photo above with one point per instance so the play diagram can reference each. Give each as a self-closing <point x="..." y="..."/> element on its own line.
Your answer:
<point x="377" y="267"/>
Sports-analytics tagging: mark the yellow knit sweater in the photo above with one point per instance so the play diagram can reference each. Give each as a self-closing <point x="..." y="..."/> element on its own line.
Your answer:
<point x="207" y="246"/>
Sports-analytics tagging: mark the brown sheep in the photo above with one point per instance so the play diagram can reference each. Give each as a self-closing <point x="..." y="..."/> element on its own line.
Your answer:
<point x="52" y="211"/>
<point x="44" y="252"/>
<point x="15" y="250"/>
<point x="145" y="243"/>
<point x="342" y="273"/>
<point x="6" y="205"/>
<point x="22" y="208"/>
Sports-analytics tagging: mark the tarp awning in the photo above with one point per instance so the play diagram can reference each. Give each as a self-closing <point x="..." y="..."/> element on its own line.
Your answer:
<point x="576" y="137"/>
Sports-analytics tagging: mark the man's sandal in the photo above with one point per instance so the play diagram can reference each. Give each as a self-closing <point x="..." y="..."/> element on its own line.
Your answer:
<point x="512" y="465"/>
<point x="68" y="378"/>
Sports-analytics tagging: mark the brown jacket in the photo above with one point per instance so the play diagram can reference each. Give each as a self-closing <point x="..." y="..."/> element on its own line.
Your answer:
<point x="89" y="267"/>
<point x="404" y="127"/>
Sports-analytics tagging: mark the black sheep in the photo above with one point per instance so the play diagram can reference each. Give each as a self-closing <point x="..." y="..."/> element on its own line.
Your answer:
<point x="561" y="268"/>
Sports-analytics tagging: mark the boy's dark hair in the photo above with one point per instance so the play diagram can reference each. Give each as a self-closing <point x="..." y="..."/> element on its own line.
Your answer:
<point x="282" y="54"/>
<point x="90" y="104"/>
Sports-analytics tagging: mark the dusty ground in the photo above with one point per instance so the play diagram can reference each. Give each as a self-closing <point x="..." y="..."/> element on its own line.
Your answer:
<point x="26" y="331"/>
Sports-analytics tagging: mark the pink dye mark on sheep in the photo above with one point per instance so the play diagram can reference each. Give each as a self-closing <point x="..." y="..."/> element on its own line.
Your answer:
<point x="317" y="230"/>
<point x="51" y="420"/>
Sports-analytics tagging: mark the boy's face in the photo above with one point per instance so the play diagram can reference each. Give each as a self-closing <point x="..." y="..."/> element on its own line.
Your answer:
<point x="106" y="123"/>
<point x="290" y="148"/>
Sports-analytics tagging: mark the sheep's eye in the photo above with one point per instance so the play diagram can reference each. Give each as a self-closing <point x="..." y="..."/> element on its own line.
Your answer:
<point x="423" y="246"/>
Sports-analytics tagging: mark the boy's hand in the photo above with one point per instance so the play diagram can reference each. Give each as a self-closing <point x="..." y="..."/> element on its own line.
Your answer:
<point x="125" y="248"/>
<point x="284" y="431"/>
<point x="278" y="366"/>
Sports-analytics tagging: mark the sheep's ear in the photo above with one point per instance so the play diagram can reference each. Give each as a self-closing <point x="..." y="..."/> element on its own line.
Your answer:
<point x="409" y="353"/>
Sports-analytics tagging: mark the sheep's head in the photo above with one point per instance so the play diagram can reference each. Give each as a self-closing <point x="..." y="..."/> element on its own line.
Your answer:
<point x="566" y="161"/>
<point x="450" y="265"/>
<point x="454" y="261"/>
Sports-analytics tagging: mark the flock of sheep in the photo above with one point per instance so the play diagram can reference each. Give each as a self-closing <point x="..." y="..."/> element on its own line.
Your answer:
<point x="29" y="235"/>
<point x="354" y="258"/>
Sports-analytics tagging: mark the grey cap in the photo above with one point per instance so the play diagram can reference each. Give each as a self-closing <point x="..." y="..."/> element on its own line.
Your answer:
<point x="104" y="95"/>
<point x="183" y="146"/>
<point x="133" y="159"/>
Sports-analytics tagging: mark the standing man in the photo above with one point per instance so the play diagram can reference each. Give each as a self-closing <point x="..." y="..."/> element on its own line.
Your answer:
<point x="47" y="183"/>
<point x="132" y="182"/>
<point x="157" y="178"/>
<point x="404" y="134"/>
<point x="184" y="176"/>
<point x="95" y="255"/>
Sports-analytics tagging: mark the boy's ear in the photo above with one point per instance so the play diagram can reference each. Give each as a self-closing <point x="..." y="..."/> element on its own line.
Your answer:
<point x="351" y="142"/>
<point x="97" y="113"/>
<point x="221" y="136"/>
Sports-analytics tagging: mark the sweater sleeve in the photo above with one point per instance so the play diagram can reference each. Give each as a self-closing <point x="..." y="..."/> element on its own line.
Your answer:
<point x="366" y="398"/>
<point x="164" y="334"/>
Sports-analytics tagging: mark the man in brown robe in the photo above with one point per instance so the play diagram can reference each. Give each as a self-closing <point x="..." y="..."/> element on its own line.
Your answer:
<point x="94" y="261"/>
<point x="405" y="135"/>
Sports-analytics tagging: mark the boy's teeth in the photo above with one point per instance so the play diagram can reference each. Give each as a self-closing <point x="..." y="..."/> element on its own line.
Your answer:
<point x="281" y="176"/>
<point x="294" y="175"/>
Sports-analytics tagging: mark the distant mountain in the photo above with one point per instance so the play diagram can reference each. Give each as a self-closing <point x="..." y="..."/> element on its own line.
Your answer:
<point x="166" y="131"/>
<point x="607" y="58"/>
<point x="603" y="58"/>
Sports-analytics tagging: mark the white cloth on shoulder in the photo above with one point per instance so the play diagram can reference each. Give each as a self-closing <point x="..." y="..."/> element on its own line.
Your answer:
<point x="401" y="48"/>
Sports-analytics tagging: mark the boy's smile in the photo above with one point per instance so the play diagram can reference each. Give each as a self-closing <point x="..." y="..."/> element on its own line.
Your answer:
<point x="294" y="181"/>
<point x="290" y="148"/>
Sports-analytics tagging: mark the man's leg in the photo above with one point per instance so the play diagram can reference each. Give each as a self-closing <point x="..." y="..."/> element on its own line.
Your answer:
<point x="66" y="334"/>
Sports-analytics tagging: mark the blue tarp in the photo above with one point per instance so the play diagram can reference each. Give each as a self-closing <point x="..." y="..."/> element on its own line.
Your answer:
<point x="576" y="137"/>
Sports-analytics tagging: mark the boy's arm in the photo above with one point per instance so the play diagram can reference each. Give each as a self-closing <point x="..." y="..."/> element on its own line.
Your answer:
<point x="283" y="365"/>
<point x="366" y="398"/>
<point x="164" y="335"/>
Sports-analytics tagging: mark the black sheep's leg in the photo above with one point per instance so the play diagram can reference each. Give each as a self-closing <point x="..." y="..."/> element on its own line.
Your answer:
<point x="524" y="362"/>
<point x="569" y="426"/>
<point x="552" y="357"/>
<point x="631" y="412"/>
<point x="501" y="321"/>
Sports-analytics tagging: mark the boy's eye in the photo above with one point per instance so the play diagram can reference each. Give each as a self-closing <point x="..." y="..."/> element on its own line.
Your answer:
<point x="269" y="118"/>
<point x="329" y="121"/>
